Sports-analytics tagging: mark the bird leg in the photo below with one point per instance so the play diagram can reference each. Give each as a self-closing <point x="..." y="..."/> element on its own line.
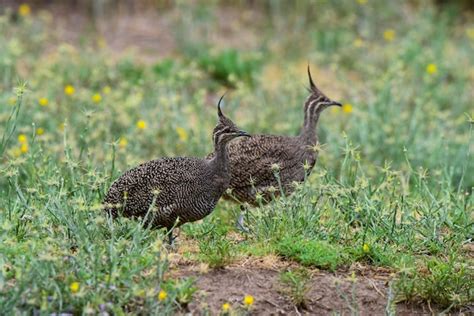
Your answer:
<point x="240" y="221"/>
<point x="171" y="238"/>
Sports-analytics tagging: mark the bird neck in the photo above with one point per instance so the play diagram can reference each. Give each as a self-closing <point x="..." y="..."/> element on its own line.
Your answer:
<point x="220" y="162"/>
<point x="308" y="132"/>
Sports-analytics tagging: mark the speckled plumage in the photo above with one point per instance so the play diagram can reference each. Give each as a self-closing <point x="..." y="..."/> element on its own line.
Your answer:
<point x="251" y="159"/>
<point x="172" y="188"/>
<point x="251" y="166"/>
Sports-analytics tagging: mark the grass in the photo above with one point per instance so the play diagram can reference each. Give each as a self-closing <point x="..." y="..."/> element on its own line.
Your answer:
<point x="392" y="186"/>
<point x="448" y="283"/>
<point x="214" y="248"/>
<point x="311" y="252"/>
<point x="295" y="285"/>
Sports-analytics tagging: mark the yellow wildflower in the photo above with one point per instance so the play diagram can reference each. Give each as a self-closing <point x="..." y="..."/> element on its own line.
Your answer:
<point x="43" y="101"/>
<point x="141" y="124"/>
<point x="61" y="127"/>
<point x="106" y="90"/>
<point x="470" y="33"/>
<point x="96" y="98"/>
<point x="123" y="142"/>
<point x="347" y="108"/>
<point x="39" y="131"/>
<point x="248" y="300"/>
<point x="225" y="307"/>
<point x="182" y="134"/>
<point x="69" y="89"/>
<point x="24" y="9"/>
<point x="22" y="139"/>
<point x="74" y="287"/>
<point x="431" y="69"/>
<point x="358" y="42"/>
<point x="162" y="295"/>
<point x="24" y="148"/>
<point x="365" y="248"/>
<point x="12" y="100"/>
<point x="362" y="2"/>
<point x="389" y="35"/>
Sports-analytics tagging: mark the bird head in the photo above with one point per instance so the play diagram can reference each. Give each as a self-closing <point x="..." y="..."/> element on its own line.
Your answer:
<point x="225" y="129"/>
<point x="317" y="100"/>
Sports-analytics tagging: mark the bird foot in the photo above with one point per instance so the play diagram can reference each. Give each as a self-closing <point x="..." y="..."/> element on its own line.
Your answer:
<point x="171" y="241"/>
<point x="240" y="226"/>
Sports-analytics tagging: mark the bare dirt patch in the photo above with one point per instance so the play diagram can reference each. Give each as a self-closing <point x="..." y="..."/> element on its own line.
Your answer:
<point x="361" y="290"/>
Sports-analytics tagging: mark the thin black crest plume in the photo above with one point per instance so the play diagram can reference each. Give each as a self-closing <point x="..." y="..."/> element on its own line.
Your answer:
<point x="219" y="111"/>
<point x="311" y="82"/>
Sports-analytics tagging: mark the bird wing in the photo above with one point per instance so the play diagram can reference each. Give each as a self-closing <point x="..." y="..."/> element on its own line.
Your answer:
<point x="252" y="159"/>
<point x="156" y="179"/>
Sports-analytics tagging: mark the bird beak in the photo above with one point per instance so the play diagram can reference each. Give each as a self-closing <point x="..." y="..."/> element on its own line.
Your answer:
<point x="335" y="103"/>
<point x="242" y="133"/>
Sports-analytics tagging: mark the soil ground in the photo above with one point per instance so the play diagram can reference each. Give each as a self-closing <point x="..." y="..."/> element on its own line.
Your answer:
<point x="360" y="290"/>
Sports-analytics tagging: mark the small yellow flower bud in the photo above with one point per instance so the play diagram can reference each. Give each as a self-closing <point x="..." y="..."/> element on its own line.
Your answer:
<point x="96" y="98"/>
<point x="22" y="139"/>
<point x="248" y="300"/>
<point x="470" y="33"/>
<point x="389" y="35"/>
<point x="365" y="248"/>
<point x="69" y="90"/>
<point x="431" y="69"/>
<point x="225" y="307"/>
<point x="74" y="287"/>
<point x="162" y="295"/>
<point x="24" y="148"/>
<point x="141" y="124"/>
<point x="24" y="9"/>
<point x="43" y="101"/>
<point x="358" y="42"/>
<point x="347" y="108"/>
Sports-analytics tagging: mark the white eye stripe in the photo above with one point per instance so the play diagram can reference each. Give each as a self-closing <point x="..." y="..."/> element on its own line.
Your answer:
<point x="310" y="108"/>
<point x="315" y="103"/>
<point x="222" y="133"/>
<point x="220" y="138"/>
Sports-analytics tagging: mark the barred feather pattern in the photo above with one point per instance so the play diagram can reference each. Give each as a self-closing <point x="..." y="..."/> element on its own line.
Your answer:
<point x="169" y="192"/>
<point x="252" y="161"/>
<point x="167" y="189"/>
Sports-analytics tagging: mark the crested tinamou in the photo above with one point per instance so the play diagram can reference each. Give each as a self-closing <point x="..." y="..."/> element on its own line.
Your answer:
<point x="254" y="161"/>
<point x="169" y="192"/>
